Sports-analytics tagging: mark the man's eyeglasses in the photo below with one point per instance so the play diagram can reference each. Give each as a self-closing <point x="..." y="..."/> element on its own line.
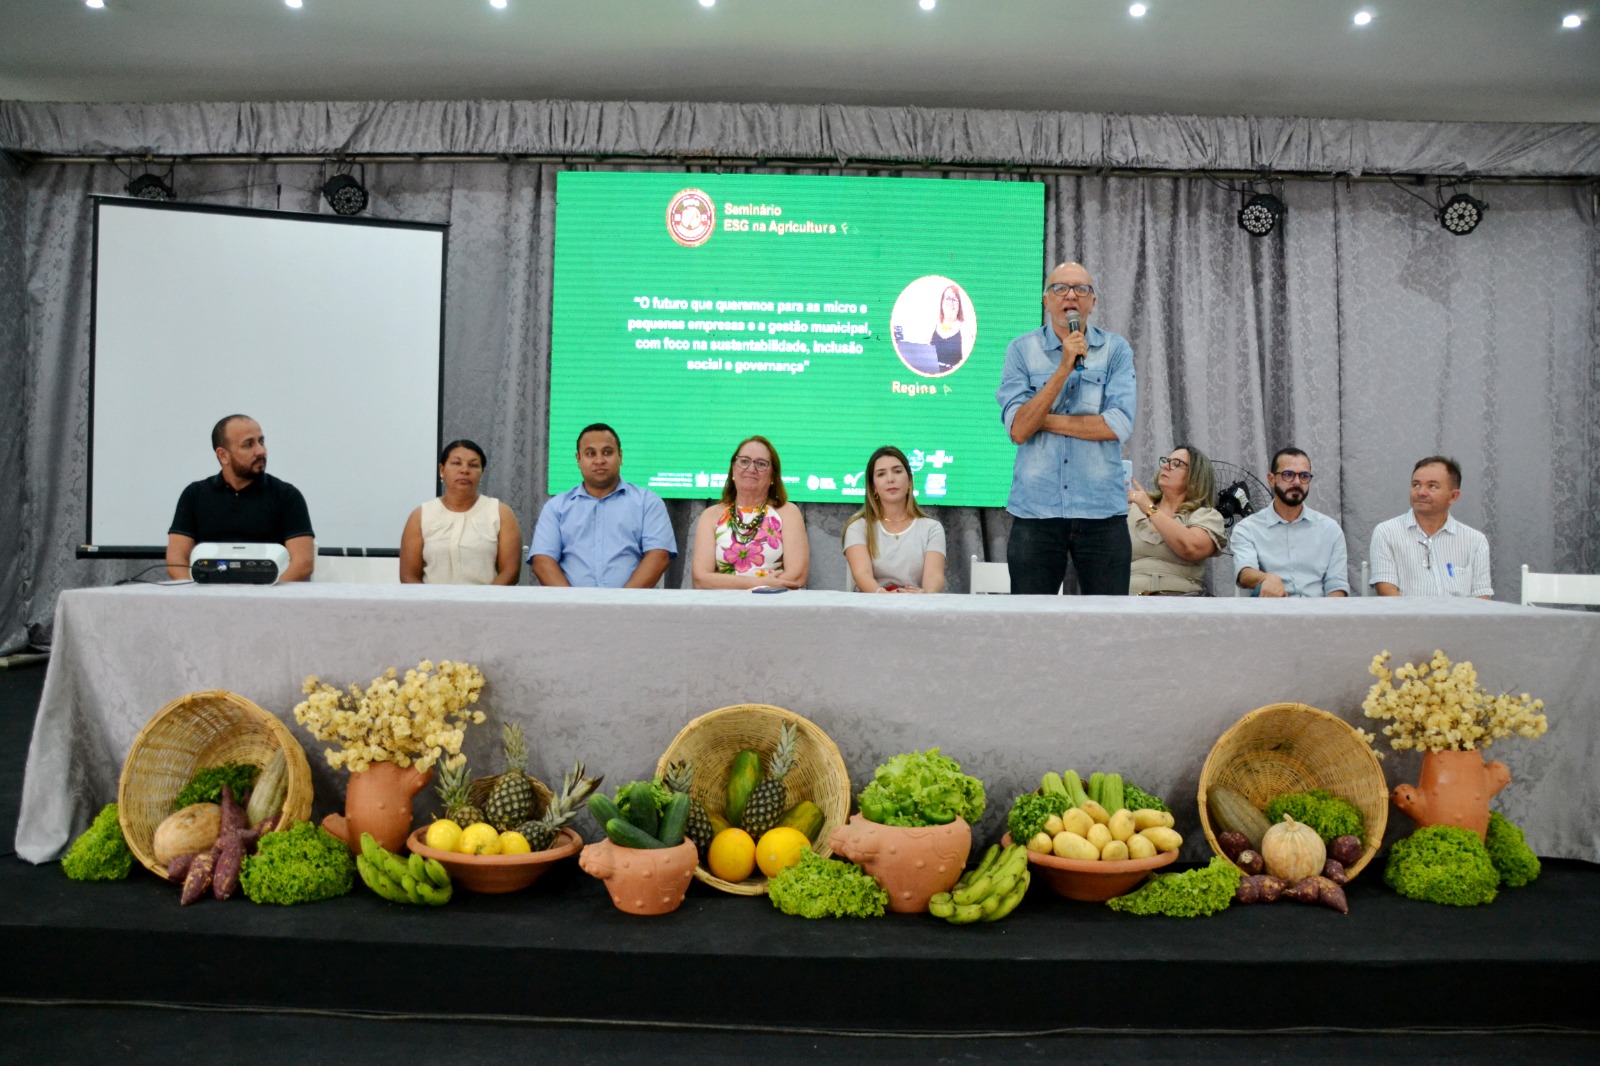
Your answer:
<point x="1289" y="477"/>
<point x="1061" y="288"/>
<point x="744" y="462"/>
<point x="1167" y="460"/>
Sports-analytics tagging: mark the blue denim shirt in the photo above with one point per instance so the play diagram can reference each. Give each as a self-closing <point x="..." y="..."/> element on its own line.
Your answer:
<point x="1065" y="477"/>
<point x="598" y="542"/>
<point x="1308" y="553"/>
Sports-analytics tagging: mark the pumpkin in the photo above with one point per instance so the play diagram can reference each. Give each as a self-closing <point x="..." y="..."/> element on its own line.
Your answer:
<point x="1293" y="851"/>
<point x="187" y="832"/>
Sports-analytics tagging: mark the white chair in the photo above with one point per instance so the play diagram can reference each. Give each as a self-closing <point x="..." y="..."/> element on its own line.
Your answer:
<point x="1574" y="589"/>
<point x="992" y="578"/>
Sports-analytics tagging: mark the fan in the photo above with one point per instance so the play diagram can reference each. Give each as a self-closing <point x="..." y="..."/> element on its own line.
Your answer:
<point x="1242" y="493"/>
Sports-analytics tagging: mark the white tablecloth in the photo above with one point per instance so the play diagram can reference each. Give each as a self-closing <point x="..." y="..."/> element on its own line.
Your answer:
<point x="1011" y="686"/>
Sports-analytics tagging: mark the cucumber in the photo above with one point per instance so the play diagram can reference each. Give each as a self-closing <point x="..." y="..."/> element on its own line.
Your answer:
<point x="642" y="810"/>
<point x="1074" y="786"/>
<point x="602" y="810"/>
<point x="1097" y="784"/>
<point x="1052" y="785"/>
<point x="624" y="833"/>
<point x="674" y="820"/>
<point x="1111" y="794"/>
<point x="743" y="777"/>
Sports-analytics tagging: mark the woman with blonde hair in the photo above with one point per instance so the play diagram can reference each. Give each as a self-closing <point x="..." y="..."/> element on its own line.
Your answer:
<point x="1175" y="529"/>
<point x="890" y="544"/>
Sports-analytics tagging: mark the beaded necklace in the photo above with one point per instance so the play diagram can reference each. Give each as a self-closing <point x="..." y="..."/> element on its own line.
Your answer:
<point x="742" y="530"/>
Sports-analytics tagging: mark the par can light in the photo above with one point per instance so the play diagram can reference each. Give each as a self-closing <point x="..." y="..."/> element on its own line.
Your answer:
<point x="1461" y="214"/>
<point x="1260" y="214"/>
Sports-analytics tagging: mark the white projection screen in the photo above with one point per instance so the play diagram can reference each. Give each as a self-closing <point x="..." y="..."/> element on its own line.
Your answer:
<point x="326" y="330"/>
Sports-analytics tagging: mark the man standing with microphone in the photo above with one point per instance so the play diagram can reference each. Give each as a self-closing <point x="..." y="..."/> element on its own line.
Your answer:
<point x="1067" y="396"/>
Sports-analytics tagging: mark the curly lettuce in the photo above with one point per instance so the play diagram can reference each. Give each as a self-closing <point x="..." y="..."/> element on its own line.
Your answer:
<point x="100" y="854"/>
<point x="826" y="888"/>
<point x="1029" y="813"/>
<point x="1192" y="894"/>
<point x="1442" y="864"/>
<point x="1509" y="852"/>
<point x="302" y="864"/>
<point x="921" y="788"/>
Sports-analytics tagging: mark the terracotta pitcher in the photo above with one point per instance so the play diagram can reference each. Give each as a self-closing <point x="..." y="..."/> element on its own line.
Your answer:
<point x="1453" y="789"/>
<point x="378" y="801"/>
<point x="912" y="864"/>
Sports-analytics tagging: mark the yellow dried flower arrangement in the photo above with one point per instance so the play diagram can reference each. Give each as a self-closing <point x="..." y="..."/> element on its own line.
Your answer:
<point x="1439" y="706"/>
<point x="409" y="723"/>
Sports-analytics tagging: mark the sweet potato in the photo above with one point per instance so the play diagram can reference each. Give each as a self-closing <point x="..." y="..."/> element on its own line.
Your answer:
<point x="1250" y="861"/>
<point x="1232" y="844"/>
<point x="178" y="867"/>
<point x="1305" y="890"/>
<point x="1347" y="849"/>
<point x="1331" y="895"/>
<point x="1333" y="870"/>
<point x="1271" y="887"/>
<point x="1248" y="891"/>
<point x="198" y="879"/>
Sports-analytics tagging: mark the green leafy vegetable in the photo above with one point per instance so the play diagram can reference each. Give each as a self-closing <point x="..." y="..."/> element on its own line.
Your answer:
<point x="1508" y="850"/>
<point x="921" y="788"/>
<point x="826" y="888"/>
<point x="1191" y="894"/>
<point x="100" y="854"/>
<point x="1442" y="864"/>
<point x="1028" y="814"/>
<point x="1331" y="816"/>
<point x="1137" y="799"/>
<point x="302" y="864"/>
<point x="658" y="791"/>
<point x="206" y="785"/>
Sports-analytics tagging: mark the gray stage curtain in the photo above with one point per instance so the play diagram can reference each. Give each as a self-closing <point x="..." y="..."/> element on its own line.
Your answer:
<point x="1361" y="332"/>
<point x="830" y="132"/>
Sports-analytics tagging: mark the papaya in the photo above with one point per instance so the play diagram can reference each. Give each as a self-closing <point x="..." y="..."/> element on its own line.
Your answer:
<point x="804" y="816"/>
<point x="743" y="777"/>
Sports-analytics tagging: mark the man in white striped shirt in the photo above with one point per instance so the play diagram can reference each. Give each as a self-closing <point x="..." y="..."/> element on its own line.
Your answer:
<point x="1425" y="552"/>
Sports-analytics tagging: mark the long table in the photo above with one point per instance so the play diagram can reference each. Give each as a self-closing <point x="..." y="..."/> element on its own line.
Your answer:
<point x="1011" y="686"/>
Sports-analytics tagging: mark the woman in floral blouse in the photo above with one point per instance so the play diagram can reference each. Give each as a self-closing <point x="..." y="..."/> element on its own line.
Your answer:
<point x="754" y="536"/>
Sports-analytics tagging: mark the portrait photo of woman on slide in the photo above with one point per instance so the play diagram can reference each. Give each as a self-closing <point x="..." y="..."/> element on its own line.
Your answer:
<point x="938" y="309"/>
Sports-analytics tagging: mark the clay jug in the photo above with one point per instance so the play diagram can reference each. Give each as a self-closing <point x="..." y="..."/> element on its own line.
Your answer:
<point x="912" y="864"/>
<point x="1454" y="788"/>
<point x="378" y="801"/>
<point x="642" y="880"/>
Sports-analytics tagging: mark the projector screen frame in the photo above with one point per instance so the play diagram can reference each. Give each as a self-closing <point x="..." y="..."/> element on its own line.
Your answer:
<point x="89" y="549"/>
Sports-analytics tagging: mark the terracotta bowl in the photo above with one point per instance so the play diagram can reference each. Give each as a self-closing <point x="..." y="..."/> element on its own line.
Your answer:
<point x="1093" y="881"/>
<point x="492" y="874"/>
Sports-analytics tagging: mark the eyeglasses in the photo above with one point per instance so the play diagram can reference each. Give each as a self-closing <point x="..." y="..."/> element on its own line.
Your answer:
<point x="1167" y="460"/>
<point x="1061" y="288"/>
<point x="1289" y="477"/>
<point x="744" y="462"/>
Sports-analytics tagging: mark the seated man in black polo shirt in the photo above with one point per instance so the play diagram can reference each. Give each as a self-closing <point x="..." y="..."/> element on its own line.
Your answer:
<point x="242" y="504"/>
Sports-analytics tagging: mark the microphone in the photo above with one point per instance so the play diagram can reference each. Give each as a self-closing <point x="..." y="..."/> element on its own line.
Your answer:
<point x="1075" y="325"/>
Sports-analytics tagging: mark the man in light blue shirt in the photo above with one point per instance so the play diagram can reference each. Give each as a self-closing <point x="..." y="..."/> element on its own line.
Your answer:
<point x="1067" y="397"/>
<point x="603" y="532"/>
<point x="1426" y="552"/>
<point x="1289" y="549"/>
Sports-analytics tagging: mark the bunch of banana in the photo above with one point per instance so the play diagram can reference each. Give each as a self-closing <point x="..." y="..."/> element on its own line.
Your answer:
<point x="397" y="880"/>
<point x="989" y="892"/>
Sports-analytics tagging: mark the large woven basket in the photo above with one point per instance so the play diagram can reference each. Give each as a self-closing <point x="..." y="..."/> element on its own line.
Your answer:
<point x="189" y="734"/>
<point x="711" y="741"/>
<point x="1289" y="747"/>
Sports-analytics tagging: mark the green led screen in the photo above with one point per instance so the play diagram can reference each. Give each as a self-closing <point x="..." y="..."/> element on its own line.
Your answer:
<point x="693" y="310"/>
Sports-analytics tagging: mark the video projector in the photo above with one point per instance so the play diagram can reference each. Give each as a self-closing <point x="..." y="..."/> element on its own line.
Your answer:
<point x="238" y="564"/>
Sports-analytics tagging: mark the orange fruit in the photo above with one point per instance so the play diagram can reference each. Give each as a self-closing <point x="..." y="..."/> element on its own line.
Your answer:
<point x="780" y="848"/>
<point x="732" y="855"/>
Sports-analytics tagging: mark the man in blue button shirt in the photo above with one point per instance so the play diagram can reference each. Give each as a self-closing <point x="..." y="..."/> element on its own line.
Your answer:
<point x="603" y="532"/>
<point x="1067" y="396"/>
<point x="1289" y="549"/>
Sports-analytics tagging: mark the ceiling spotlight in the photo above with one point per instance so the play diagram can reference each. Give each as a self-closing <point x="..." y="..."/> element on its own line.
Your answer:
<point x="498" y="5"/>
<point x="98" y="4"/>
<point x="1571" y="22"/>
<point x="1461" y="214"/>
<point x="148" y="186"/>
<point x="1260" y="214"/>
<point x="1363" y="17"/>
<point x="1138" y="11"/>
<point x="927" y="5"/>
<point x="296" y="4"/>
<point x="345" y="195"/>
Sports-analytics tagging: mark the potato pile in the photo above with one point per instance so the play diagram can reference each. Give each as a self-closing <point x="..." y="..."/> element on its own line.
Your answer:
<point x="1090" y="832"/>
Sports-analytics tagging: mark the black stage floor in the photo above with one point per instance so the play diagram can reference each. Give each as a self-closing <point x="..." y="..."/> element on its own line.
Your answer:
<point x="120" y="970"/>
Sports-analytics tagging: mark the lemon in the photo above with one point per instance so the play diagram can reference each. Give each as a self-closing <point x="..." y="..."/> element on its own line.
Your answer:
<point x="443" y="835"/>
<point x="514" y="843"/>
<point x="732" y="855"/>
<point x="479" y="838"/>
<point x="779" y="849"/>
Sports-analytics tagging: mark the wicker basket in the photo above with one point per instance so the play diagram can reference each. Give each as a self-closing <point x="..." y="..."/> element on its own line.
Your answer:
<point x="711" y="741"/>
<point x="1289" y="747"/>
<point x="187" y="735"/>
<point x="481" y="787"/>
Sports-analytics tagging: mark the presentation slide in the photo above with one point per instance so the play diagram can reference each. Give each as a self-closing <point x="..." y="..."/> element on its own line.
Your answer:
<point x="829" y="314"/>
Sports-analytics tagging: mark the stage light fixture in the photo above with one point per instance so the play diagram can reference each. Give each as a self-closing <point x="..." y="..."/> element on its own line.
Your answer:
<point x="1363" y="18"/>
<point x="1461" y="214"/>
<point x="148" y="186"/>
<point x="1572" y="22"/>
<point x="345" y="195"/>
<point x="1138" y="11"/>
<point x="1260" y="214"/>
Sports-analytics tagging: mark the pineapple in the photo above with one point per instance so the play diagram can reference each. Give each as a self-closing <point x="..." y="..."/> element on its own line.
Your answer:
<point x="455" y="792"/>
<point x="511" y="801"/>
<point x="770" y="799"/>
<point x="540" y="834"/>
<point x="680" y="778"/>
